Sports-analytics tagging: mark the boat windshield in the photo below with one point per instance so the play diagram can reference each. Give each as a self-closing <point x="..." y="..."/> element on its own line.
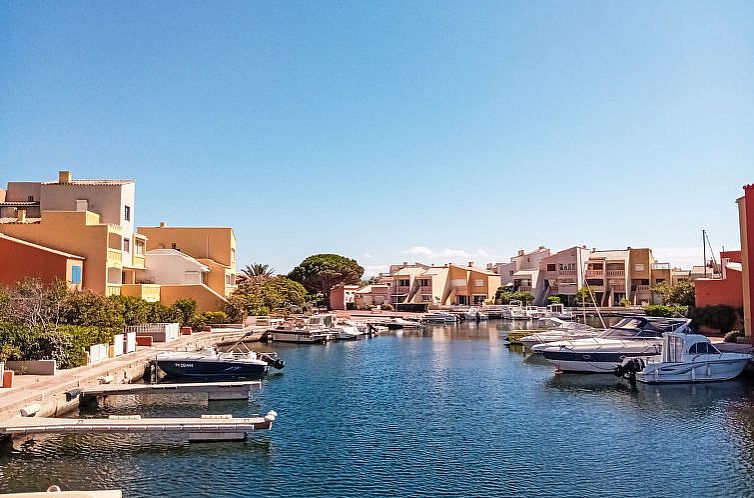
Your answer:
<point x="641" y="327"/>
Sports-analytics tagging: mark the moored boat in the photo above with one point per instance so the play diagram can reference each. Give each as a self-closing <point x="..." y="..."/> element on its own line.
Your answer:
<point x="685" y="358"/>
<point x="208" y="363"/>
<point x="631" y="337"/>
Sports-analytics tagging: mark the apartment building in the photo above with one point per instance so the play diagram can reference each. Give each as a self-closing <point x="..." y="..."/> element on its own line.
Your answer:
<point x="562" y="275"/>
<point x="22" y="259"/>
<point x="92" y="219"/>
<point x="521" y="273"/>
<point x="449" y="284"/>
<point x="210" y="278"/>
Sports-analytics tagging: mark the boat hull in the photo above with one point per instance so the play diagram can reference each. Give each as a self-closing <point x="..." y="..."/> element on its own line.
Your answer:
<point x="706" y="371"/>
<point x="589" y="362"/>
<point x="297" y="338"/>
<point x="211" y="369"/>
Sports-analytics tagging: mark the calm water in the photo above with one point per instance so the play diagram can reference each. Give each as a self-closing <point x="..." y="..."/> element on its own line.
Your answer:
<point x="449" y="412"/>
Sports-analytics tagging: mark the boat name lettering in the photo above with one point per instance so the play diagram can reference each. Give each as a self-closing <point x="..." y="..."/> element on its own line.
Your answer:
<point x="184" y="365"/>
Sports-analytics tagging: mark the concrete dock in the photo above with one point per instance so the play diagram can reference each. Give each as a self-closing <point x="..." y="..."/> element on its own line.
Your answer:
<point x="223" y="427"/>
<point x="108" y="493"/>
<point x="213" y="390"/>
<point x="49" y="391"/>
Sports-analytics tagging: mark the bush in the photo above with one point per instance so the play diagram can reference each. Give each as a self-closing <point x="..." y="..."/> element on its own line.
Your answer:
<point x="625" y="302"/>
<point x="668" y="311"/>
<point x="185" y="310"/>
<point x="351" y="306"/>
<point x="718" y="317"/>
<point x="135" y="311"/>
<point x="553" y="300"/>
<point x="733" y="336"/>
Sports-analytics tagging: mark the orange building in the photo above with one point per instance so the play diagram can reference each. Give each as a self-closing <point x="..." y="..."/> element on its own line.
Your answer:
<point x="22" y="259"/>
<point x="746" y="223"/>
<point x="725" y="290"/>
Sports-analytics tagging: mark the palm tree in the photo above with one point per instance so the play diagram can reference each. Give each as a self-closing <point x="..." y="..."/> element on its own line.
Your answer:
<point x="256" y="270"/>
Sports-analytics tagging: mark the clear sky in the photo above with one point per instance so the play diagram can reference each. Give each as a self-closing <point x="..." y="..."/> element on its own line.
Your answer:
<point x="392" y="131"/>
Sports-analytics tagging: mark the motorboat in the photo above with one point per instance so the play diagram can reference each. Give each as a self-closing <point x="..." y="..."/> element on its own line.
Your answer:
<point x="400" y="323"/>
<point x="535" y="312"/>
<point x="474" y="315"/>
<point x="632" y="336"/>
<point x="557" y="310"/>
<point x="515" y="311"/>
<point x="685" y="358"/>
<point x="558" y="330"/>
<point x="440" y="317"/>
<point x="208" y="363"/>
<point x="299" y="335"/>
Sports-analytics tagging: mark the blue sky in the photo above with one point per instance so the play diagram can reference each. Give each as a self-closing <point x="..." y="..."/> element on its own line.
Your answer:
<point x="392" y="131"/>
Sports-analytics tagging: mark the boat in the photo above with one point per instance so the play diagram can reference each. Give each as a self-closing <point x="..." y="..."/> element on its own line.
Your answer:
<point x="557" y="310"/>
<point x="208" y="363"/>
<point x="535" y="312"/>
<point x="558" y="330"/>
<point x="515" y="311"/>
<point x="515" y="336"/>
<point x="474" y="315"/>
<point x="400" y="323"/>
<point x="440" y="317"/>
<point x="685" y="358"/>
<point x="299" y="335"/>
<point x="632" y="336"/>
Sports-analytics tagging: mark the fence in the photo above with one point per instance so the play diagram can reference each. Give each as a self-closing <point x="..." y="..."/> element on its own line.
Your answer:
<point x="159" y="332"/>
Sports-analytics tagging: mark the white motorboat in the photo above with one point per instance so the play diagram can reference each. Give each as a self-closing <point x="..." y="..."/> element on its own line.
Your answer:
<point x="474" y="315"/>
<point x="400" y="323"/>
<point x="535" y="312"/>
<point x="561" y="331"/>
<point x="440" y="317"/>
<point x="557" y="310"/>
<point x="685" y="358"/>
<point x="631" y="337"/>
<point x="515" y="311"/>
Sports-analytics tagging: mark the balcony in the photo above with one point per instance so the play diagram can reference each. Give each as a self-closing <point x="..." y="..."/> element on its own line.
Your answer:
<point x="616" y="273"/>
<point x="461" y="290"/>
<point x="147" y="292"/>
<point x="138" y="261"/>
<point x="595" y="273"/>
<point x="643" y="288"/>
<point x="618" y="288"/>
<point x="402" y="289"/>
<point x="112" y="290"/>
<point x="114" y="257"/>
<point x="524" y="288"/>
<point x="567" y="273"/>
<point x="425" y="289"/>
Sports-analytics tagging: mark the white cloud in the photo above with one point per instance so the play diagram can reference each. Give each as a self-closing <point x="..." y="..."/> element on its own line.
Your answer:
<point x="683" y="257"/>
<point x="372" y="270"/>
<point x="449" y="255"/>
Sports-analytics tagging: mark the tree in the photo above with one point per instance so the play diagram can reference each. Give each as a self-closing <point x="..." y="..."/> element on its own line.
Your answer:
<point x="263" y="295"/>
<point x="584" y="296"/>
<point x="185" y="310"/>
<point x="681" y="293"/>
<point x="553" y="299"/>
<point x="321" y="272"/>
<point x="256" y="270"/>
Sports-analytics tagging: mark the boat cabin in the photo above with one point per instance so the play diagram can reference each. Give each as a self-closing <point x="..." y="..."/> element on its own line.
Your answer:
<point x="677" y="346"/>
<point x="322" y="320"/>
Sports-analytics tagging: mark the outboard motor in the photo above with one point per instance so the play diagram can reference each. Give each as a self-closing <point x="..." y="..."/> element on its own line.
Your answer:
<point x="629" y="367"/>
<point x="272" y="360"/>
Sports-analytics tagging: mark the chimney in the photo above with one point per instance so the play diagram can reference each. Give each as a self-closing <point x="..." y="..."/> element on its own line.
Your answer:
<point x="163" y="224"/>
<point x="405" y="263"/>
<point x="82" y="205"/>
<point x="471" y="263"/>
<point x="541" y="248"/>
<point x="21" y="215"/>
<point x="520" y="252"/>
<point x="65" y="177"/>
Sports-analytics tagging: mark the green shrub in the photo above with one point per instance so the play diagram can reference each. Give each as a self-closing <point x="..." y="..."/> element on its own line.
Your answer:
<point x="185" y="310"/>
<point x="733" y="336"/>
<point x="669" y="311"/>
<point x="553" y="300"/>
<point x="718" y="317"/>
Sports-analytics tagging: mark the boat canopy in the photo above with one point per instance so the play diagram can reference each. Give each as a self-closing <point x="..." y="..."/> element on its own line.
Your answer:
<point x="641" y="326"/>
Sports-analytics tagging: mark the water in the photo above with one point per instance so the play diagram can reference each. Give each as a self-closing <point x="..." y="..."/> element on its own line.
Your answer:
<point x="448" y="412"/>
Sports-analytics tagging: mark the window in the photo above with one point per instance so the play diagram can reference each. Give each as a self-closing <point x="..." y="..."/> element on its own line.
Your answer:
<point x="127" y="245"/>
<point x="551" y="267"/>
<point x="75" y="274"/>
<point x="479" y="282"/>
<point x="227" y="280"/>
<point x="127" y="213"/>
<point x="567" y="266"/>
<point x="30" y="198"/>
<point x="639" y="267"/>
<point x="139" y="247"/>
<point x="404" y="283"/>
<point x="173" y="246"/>
<point x="511" y="272"/>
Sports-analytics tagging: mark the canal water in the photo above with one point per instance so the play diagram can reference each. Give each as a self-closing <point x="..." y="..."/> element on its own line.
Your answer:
<point x="449" y="412"/>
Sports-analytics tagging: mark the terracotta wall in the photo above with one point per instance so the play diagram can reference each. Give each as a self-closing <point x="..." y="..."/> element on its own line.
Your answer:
<point x="20" y="261"/>
<point x="720" y="291"/>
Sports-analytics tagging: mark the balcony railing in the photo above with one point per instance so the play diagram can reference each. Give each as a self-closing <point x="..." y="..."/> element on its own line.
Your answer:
<point x="425" y="289"/>
<point x="524" y="288"/>
<point x="595" y="273"/>
<point x="616" y="273"/>
<point x="114" y="256"/>
<point x="567" y="273"/>
<point x="643" y="288"/>
<point x="618" y="288"/>
<point x="138" y="261"/>
<point x="112" y="290"/>
<point x="402" y="289"/>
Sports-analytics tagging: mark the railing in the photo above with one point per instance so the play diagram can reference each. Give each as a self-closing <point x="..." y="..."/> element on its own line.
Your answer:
<point x="567" y="273"/>
<point x="402" y="289"/>
<point x="425" y="289"/>
<point x="594" y="273"/>
<point x="524" y="288"/>
<point x="138" y="261"/>
<point x="114" y="256"/>
<point x="616" y="273"/>
<point x="643" y="288"/>
<point x="618" y="288"/>
<point x="661" y="266"/>
<point x="461" y="290"/>
<point x="112" y="290"/>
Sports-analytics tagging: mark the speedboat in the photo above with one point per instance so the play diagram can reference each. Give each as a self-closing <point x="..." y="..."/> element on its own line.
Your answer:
<point x="400" y="323"/>
<point x="560" y="331"/>
<point x="632" y="336"/>
<point x="209" y="363"/>
<point x="557" y="310"/>
<point x="535" y="312"/>
<point x="299" y="335"/>
<point x="685" y="358"/>
<point x="515" y="311"/>
<point x="474" y="315"/>
<point x="440" y="317"/>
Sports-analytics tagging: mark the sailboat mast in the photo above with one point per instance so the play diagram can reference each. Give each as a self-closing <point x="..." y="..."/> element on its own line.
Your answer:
<point x="704" y="250"/>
